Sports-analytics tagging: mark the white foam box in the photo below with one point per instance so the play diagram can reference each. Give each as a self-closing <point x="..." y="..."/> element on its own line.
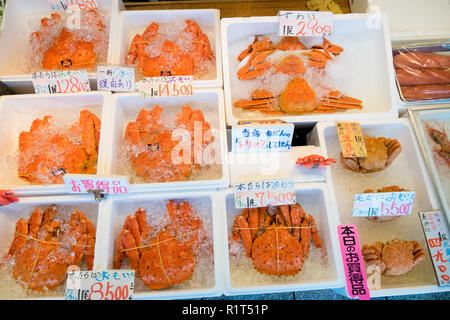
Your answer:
<point x="16" y="35"/>
<point x="206" y="279"/>
<point x="126" y="107"/>
<point x="363" y="70"/>
<point x="17" y="113"/>
<point x="241" y="277"/>
<point x="407" y="171"/>
<point x="134" y="22"/>
<point x="9" y="288"/>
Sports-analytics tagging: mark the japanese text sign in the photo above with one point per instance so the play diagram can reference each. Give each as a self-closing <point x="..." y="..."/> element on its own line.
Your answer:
<point x="83" y="183"/>
<point x="353" y="262"/>
<point x="166" y="86"/>
<point x="100" y="285"/>
<point x="264" y="193"/>
<point x="383" y="204"/>
<point x="259" y="137"/>
<point x="305" y="23"/>
<point x="70" y="81"/>
<point x="68" y="5"/>
<point x="111" y="78"/>
<point x="436" y="233"/>
<point x="351" y="139"/>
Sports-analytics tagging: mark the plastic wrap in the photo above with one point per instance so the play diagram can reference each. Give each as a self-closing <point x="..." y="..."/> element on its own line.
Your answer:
<point x="423" y="71"/>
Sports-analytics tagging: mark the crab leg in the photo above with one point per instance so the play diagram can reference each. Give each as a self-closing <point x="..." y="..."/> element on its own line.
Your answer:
<point x="245" y="234"/>
<point x="286" y="215"/>
<point x="253" y="221"/>
<point x="127" y="242"/>
<point x="132" y="226"/>
<point x="314" y="234"/>
<point x="34" y="222"/>
<point x="305" y="236"/>
<point x="19" y="240"/>
<point x="141" y="220"/>
<point x="297" y="214"/>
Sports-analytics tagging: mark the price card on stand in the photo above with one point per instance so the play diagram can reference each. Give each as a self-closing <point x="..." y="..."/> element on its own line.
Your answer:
<point x="262" y="137"/>
<point x="305" y="23"/>
<point x="111" y="78"/>
<point x="351" y="139"/>
<point x="100" y="285"/>
<point x="166" y="86"/>
<point x="383" y="204"/>
<point x="84" y="183"/>
<point x="70" y="81"/>
<point x="436" y="233"/>
<point x="264" y="193"/>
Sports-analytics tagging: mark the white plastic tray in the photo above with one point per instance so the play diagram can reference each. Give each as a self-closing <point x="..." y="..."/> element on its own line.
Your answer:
<point x="134" y="22"/>
<point x="9" y="215"/>
<point x="114" y="212"/>
<point x="17" y="112"/>
<point x="16" y="32"/>
<point x="367" y="59"/>
<point x="240" y="275"/>
<point x="407" y="171"/>
<point x="126" y="107"/>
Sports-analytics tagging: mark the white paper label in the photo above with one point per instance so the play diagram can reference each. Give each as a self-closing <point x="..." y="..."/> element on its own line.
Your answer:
<point x="305" y="23"/>
<point x="111" y="78"/>
<point x="83" y="183"/>
<point x="166" y="86"/>
<point x="383" y="204"/>
<point x="70" y="81"/>
<point x="264" y="193"/>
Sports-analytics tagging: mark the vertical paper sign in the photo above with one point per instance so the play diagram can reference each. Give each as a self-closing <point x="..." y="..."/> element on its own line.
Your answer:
<point x="383" y="204"/>
<point x="84" y="183"/>
<point x="352" y="259"/>
<point x="305" y="23"/>
<point x="436" y="233"/>
<point x="70" y="81"/>
<point x="110" y="78"/>
<point x="100" y="285"/>
<point x="254" y="137"/>
<point x="166" y="86"/>
<point x="264" y="193"/>
<point x="351" y="139"/>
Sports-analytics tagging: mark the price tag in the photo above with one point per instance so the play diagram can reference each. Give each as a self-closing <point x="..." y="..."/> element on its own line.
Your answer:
<point x="437" y="236"/>
<point x="166" y="86"/>
<point x="264" y="193"/>
<point x="99" y="285"/>
<point x="262" y="137"/>
<point x="355" y="274"/>
<point x="84" y="183"/>
<point x="383" y="204"/>
<point x="305" y="23"/>
<point x="351" y="139"/>
<point x="110" y="78"/>
<point x="70" y="81"/>
<point x="69" y="5"/>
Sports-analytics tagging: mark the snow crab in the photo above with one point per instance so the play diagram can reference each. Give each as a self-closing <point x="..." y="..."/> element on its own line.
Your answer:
<point x="440" y="138"/>
<point x="44" y="246"/>
<point x="151" y="148"/>
<point x="381" y="152"/>
<point x="384" y="189"/>
<point x="395" y="257"/>
<point x="314" y="161"/>
<point x="44" y="155"/>
<point x="184" y="56"/>
<point x="169" y="257"/>
<point x="69" y="50"/>
<point x="277" y="242"/>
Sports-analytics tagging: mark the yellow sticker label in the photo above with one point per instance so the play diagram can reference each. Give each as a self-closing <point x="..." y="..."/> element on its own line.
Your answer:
<point x="351" y="139"/>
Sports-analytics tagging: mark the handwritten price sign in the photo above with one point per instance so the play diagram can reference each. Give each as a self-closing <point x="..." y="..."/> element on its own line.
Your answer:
<point x="264" y="193"/>
<point x="100" y="285"/>
<point x="111" y="78"/>
<point x="351" y="139"/>
<point x="305" y="23"/>
<point x="166" y="86"/>
<point x="84" y="183"/>
<point x="383" y="204"/>
<point x="71" y="81"/>
<point x="68" y="5"/>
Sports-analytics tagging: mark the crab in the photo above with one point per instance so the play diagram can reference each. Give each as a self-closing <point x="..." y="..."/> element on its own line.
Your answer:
<point x="44" y="247"/>
<point x="314" y="161"/>
<point x="170" y="56"/>
<point x="169" y="257"/>
<point x="384" y="189"/>
<point x="297" y="98"/>
<point x="279" y="242"/>
<point x="381" y="152"/>
<point x="395" y="257"/>
<point x="151" y="148"/>
<point x="439" y="137"/>
<point x="44" y="155"/>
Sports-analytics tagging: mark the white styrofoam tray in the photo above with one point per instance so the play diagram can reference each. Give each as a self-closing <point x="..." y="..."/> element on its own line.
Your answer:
<point x="125" y="108"/>
<point x="242" y="278"/>
<point x="9" y="215"/>
<point x="206" y="280"/>
<point x="16" y="33"/>
<point x="407" y="171"/>
<point x="17" y="113"/>
<point x="135" y="22"/>
<point x="363" y="70"/>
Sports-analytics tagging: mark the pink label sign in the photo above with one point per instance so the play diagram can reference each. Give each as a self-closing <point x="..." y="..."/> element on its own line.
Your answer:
<point x="355" y="274"/>
<point x="78" y="183"/>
